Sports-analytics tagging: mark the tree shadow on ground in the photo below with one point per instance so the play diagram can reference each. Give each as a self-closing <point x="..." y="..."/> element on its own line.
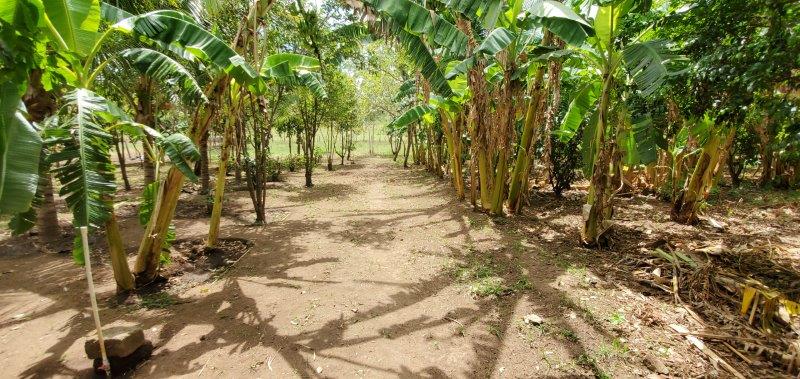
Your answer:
<point x="233" y="322"/>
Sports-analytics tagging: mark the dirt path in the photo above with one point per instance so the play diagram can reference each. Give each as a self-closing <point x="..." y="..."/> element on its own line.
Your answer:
<point x="375" y="272"/>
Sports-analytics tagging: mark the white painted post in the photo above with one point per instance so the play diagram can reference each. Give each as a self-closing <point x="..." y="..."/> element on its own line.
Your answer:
<point x="88" y="265"/>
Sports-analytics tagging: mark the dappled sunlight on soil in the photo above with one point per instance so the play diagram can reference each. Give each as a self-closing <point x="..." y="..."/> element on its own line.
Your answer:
<point x="376" y="273"/>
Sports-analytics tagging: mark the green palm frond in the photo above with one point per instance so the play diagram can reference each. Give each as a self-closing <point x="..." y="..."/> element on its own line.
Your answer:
<point x="423" y="59"/>
<point x="496" y="41"/>
<point x="165" y="69"/>
<point x="412" y="115"/>
<point x="647" y="63"/>
<point x="313" y="82"/>
<point x="560" y="19"/>
<point x="585" y="101"/>
<point x="20" y="146"/>
<point x="181" y="152"/>
<point x="86" y="172"/>
<point x="407" y="89"/>
<point x="75" y="21"/>
<point x="174" y="28"/>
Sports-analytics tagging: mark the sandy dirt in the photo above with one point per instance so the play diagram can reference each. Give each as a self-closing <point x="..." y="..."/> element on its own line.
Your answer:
<point x="374" y="272"/>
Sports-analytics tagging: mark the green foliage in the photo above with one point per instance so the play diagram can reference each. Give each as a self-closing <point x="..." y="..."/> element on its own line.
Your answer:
<point x="411" y="116"/>
<point x="725" y="62"/>
<point x="75" y="21"/>
<point x="164" y="69"/>
<point x="147" y="203"/>
<point x="561" y="20"/>
<point x="175" y="28"/>
<point x="293" y="162"/>
<point x="565" y="158"/>
<point x="86" y="172"/>
<point x="649" y="64"/>
<point x="20" y="145"/>
<point x="273" y="168"/>
<point x="77" y="251"/>
<point x="181" y="151"/>
<point x="496" y="41"/>
<point x="583" y="102"/>
<point x="146" y="207"/>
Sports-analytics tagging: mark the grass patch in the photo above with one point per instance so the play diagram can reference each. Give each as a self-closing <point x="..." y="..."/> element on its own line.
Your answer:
<point x="483" y="280"/>
<point x="617" y="348"/>
<point x="617" y="318"/>
<point x="159" y="300"/>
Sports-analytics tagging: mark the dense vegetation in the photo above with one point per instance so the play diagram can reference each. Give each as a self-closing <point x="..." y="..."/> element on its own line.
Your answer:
<point x="670" y="98"/>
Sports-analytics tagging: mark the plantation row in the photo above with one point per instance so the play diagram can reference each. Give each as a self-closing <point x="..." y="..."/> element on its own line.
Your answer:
<point x="655" y="96"/>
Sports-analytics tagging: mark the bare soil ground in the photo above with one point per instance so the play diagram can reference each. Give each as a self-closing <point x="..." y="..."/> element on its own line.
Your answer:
<point x="379" y="272"/>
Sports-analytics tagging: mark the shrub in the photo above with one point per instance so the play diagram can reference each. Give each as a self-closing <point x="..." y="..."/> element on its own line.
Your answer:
<point x="564" y="161"/>
<point x="293" y="162"/>
<point x="273" y="168"/>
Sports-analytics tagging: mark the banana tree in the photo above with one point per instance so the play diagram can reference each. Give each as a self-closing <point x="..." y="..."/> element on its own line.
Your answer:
<point x="714" y="139"/>
<point x="278" y="71"/>
<point x="646" y="65"/>
<point x="555" y="19"/>
<point x="72" y="32"/>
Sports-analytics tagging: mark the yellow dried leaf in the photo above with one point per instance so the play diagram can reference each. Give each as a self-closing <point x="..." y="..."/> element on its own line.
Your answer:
<point x="791" y="307"/>
<point x="747" y="298"/>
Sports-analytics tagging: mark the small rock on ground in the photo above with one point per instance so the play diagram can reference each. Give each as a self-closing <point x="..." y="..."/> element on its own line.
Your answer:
<point x="121" y="339"/>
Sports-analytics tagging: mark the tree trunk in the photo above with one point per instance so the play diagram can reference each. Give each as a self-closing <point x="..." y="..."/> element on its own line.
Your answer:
<point x="147" y="259"/>
<point x="598" y="209"/>
<point x="765" y="149"/>
<point x="119" y="259"/>
<point x="40" y="104"/>
<point x="219" y="189"/>
<point x="408" y="148"/>
<point x="120" y="140"/>
<point x="687" y="203"/>
<point x="144" y="115"/>
<point x="530" y="134"/>
<point x="47" y="216"/>
<point x="205" y="179"/>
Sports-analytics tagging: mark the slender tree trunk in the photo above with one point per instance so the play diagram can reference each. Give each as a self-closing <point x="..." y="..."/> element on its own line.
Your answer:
<point x="598" y="209"/>
<point x="120" y="140"/>
<point x="219" y="189"/>
<point x="47" y="216"/>
<point x="343" y="147"/>
<point x="40" y="104"/>
<point x="408" y="148"/>
<point x="145" y="116"/>
<point x="119" y="259"/>
<point x="765" y="149"/>
<point x="309" y="161"/>
<point x="687" y="203"/>
<point x="147" y="259"/>
<point x="205" y="179"/>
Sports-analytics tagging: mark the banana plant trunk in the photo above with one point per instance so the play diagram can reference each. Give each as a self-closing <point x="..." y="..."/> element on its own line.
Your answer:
<point x="520" y="174"/>
<point x="119" y="260"/>
<point x="452" y="133"/>
<point x="147" y="259"/>
<point x="205" y="178"/>
<point x="47" y="216"/>
<point x="598" y="209"/>
<point x="219" y="188"/>
<point x="120" y="141"/>
<point x="687" y="203"/>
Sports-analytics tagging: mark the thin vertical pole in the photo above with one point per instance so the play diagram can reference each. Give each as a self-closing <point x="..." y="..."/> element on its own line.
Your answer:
<point x="95" y="312"/>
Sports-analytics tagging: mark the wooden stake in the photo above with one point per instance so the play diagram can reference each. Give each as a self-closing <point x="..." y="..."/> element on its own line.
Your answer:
<point x="95" y="312"/>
